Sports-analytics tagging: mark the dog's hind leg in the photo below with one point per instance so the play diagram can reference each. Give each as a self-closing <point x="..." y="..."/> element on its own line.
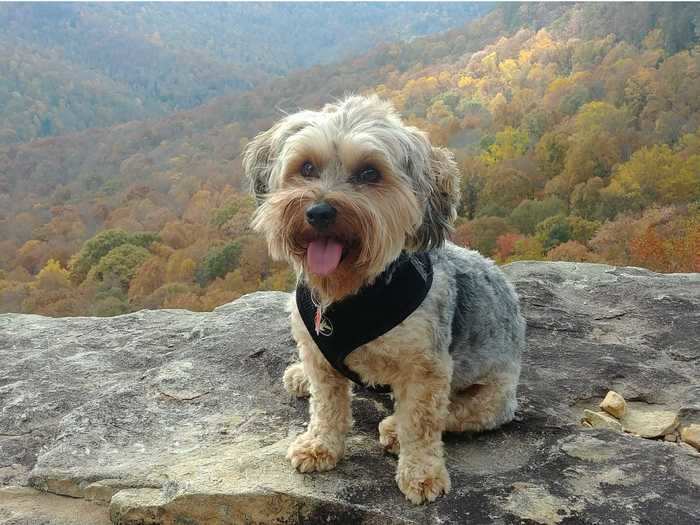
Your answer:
<point x="295" y="380"/>
<point x="388" y="436"/>
<point x="483" y="406"/>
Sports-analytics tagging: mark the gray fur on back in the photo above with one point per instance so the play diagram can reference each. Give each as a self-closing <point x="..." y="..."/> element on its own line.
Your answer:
<point x="477" y="314"/>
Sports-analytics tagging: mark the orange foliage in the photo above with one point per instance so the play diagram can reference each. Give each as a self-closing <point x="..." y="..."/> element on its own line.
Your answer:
<point x="648" y="251"/>
<point x="572" y="251"/>
<point x="505" y="244"/>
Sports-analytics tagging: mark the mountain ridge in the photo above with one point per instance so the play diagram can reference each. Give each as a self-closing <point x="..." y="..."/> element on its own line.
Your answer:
<point x="167" y="57"/>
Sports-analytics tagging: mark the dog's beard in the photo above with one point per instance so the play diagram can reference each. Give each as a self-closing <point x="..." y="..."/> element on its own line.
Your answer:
<point x="367" y="233"/>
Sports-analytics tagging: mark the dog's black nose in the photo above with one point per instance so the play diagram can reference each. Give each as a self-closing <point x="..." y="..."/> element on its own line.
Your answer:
<point x="321" y="215"/>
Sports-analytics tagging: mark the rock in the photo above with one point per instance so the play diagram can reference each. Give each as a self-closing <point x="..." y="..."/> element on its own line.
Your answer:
<point x="671" y="438"/>
<point x="691" y="435"/>
<point x="24" y="505"/>
<point x="172" y="416"/>
<point x="651" y="423"/>
<point x="601" y="420"/>
<point x="689" y="449"/>
<point x="614" y="404"/>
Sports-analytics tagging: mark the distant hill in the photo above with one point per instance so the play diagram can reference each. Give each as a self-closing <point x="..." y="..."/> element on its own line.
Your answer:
<point x="576" y="127"/>
<point x="71" y="66"/>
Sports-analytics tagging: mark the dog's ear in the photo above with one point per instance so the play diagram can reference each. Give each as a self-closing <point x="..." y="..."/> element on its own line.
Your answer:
<point x="258" y="159"/>
<point x="261" y="153"/>
<point x="441" y="190"/>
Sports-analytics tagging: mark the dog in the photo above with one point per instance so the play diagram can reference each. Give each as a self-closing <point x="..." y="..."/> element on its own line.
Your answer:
<point x="362" y="205"/>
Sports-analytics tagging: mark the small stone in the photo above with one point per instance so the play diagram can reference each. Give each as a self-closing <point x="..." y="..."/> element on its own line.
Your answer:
<point x="691" y="435"/>
<point x="671" y="437"/>
<point x="614" y="404"/>
<point x="601" y="420"/>
<point x="649" y="424"/>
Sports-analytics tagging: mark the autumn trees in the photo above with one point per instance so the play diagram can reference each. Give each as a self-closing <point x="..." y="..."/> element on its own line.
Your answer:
<point x="573" y="132"/>
<point x="576" y="138"/>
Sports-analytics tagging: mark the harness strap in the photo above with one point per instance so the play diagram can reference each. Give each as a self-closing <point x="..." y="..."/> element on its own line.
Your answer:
<point x="371" y="312"/>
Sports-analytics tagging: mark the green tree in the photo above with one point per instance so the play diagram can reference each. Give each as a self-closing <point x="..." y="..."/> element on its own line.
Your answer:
<point x="529" y="213"/>
<point x="509" y="144"/>
<point x="121" y="264"/>
<point x="580" y="229"/>
<point x="585" y="199"/>
<point x="553" y="231"/>
<point x="218" y="262"/>
<point x="100" y="245"/>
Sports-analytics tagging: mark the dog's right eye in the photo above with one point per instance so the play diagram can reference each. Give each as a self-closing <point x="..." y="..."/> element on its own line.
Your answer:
<point x="308" y="169"/>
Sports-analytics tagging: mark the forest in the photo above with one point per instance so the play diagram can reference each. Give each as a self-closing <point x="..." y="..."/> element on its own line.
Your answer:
<point x="576" y="128"/>
<point x="72" y="66"/>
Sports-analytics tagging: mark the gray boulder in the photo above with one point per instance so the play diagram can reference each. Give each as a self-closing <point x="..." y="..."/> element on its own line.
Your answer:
<point x="178" y="417"/>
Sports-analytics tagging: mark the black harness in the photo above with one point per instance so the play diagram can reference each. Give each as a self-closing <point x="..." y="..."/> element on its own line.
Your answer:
<point x="358" y="319"/>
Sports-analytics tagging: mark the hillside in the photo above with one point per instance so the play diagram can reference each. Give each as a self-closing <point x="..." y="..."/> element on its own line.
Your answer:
<point x="71" y="66"/>
<point x="576" y="128"/>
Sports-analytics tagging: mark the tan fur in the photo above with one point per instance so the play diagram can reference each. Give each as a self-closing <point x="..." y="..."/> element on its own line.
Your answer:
<point x="420" y="382"/>
<point x="411" y="207"/>
<point x="483" y="406"/>
<point x="295" y="380"/>
<point x="374" y="222"/>
<point x="323" y="443"/>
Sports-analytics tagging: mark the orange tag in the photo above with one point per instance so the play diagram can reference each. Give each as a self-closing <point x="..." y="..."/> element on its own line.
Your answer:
<point x="317" y="320"/>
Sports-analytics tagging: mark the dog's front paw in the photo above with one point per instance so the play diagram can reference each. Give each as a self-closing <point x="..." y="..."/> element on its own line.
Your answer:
<point x="387" y="435"/>
<point x="295" y="380"/>
<point x="422" y="481"/>
<point x="312" y="454"/>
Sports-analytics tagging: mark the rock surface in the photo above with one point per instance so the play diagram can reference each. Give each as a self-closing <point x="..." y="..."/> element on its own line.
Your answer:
<point x="179" y="417"/>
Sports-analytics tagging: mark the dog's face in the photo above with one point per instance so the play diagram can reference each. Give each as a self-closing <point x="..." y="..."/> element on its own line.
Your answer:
<point x="344" y="190"/>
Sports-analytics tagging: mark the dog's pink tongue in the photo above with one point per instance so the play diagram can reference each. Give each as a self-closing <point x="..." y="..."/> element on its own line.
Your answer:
<point x="323" y="256"/>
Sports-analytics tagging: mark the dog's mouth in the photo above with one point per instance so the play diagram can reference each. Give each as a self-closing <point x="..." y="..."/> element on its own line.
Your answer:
<point x="324" y="254"/>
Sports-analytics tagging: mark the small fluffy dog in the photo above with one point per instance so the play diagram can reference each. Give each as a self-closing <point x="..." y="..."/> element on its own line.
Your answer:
<point x="361" y="205"/>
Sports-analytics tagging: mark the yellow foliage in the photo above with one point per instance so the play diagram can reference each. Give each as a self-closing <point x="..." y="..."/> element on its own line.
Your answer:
<point x="524" y="56"/>
<point x="543" y="40"/>
<point x="559" y="84"/>
<point x="180" y="268"/>
<point x="509" y="69"/>
<point x="52" y="276"/>
<point x="497" y="102"/>
<point x="527" y="249"/>
<point x="465" y="81"/>
<point x="282" y="280"/>
<point x="490" y="62"/>
<point x="445" y="78"/>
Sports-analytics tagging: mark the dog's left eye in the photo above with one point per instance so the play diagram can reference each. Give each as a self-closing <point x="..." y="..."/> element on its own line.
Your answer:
<point x="308" y="169"/>
<point x="367" y="175"/>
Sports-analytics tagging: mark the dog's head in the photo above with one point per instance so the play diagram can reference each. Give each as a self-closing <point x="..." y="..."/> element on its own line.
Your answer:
<point x="344" y="190"/>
